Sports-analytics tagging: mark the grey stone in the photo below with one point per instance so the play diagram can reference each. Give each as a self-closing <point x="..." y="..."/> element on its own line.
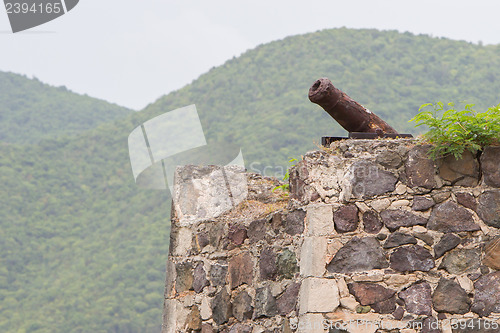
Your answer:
<point x="420" y="169"/>
<point x="287" y="301"/>
<point x="440" y="197"/>
<point x="221" y="307"/>
<point x="362" y="182"/>
<point x="489" y="207"/>
<point x="461" y="261"/>
<point x="265" y="303"/>
<point x="193" y="320"/>
<point x="450" y="217"/>
<point x="207" y="328"/>
<point x="381" y="237"/>
<point x="367" y="293"/>
<point x="446" y="243"/>
<point x="487" y="294"/>
<point x="202" y="240"/>
<point x="215" y="234"/>
<point x="287" y="264"/>
<point x="490" y="160"/>
<point x="418" y="299"/>
<point x="411" y="258"/>
<point x="346" y="218"/>
<point x="358" y="255"/>
<point x="389" y="159"/>
<point x="458" y="303"/>
<point x="422" y="203"/>
<point x="460" y="172"/>
<point x="386" y="306"/>
<point x="240" y="328"/>
<point x="257" y="230"/>
<point x="267" y="264"/>
<point x="467" y="200"/>
<point x="237" y="234"/>
<point x="394" y="219"/>
<point x="428" y="239"/>
<point x="240" y="270"/>
<point x="218" y="274"/>
<point x="492" y="254"/>
<point x="199" y="278"/>
<point x="294" y="223"/>
<point x="397" y="239"/>
<point x="184" y="279"/>
<point x="398" y="313"/>
<point x="242" y="306"/>
<point x="371" y="222"/>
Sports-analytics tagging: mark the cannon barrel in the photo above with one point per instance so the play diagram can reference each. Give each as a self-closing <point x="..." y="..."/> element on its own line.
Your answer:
<point x="351" y="115"/>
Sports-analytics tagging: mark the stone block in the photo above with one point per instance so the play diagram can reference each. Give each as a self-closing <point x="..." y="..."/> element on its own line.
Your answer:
<point x="490" y="160"/>
<point x="418" y="299"/>
<point x="450" y="217"/>
<point x="492" y="254"/>
<point x="489" y="208"/>
<point x="287" y="301"/>
<point x="397" y="218"/>
<point x="180" y="241"/>
<point x="346" y="218"/>
<point x="411" y="258"/>
<point x="358" y="181"/>
<point x="318" y="295"/>
<point x="205" y="192"/>
<point x="460" y="172"/>
<point x="240" y="270"/>
<point x="174" y="316"/>
<point x="449" y="297"/>
<point x="420" y="168"/>
<point x="319" y="220"/>
<point x="294" y="222"/>
<point x="357" y="255"/>
<point x="487" y="294"/>
<point x="313" y="256"/>
<point x="265" y="303"/>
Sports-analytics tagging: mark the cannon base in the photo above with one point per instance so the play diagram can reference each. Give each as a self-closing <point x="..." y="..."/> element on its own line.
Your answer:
<point x="327" y="140"/>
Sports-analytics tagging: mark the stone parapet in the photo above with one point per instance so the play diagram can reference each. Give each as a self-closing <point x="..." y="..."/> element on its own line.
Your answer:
<point x="374" y="237"/>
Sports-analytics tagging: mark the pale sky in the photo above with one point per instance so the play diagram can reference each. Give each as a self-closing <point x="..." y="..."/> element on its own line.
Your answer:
<point x="132" y="52"/>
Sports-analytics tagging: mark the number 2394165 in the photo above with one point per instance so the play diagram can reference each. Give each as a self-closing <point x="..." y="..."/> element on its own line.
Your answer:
<point x="20" y="7"/>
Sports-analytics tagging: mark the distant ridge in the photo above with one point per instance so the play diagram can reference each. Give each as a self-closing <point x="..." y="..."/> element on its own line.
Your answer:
<point x="31" y="110"/>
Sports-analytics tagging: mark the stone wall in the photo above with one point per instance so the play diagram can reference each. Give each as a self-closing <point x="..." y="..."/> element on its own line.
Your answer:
<point x="374" y="237"/>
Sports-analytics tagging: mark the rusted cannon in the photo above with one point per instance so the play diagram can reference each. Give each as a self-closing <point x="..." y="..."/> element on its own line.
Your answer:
<point x="351" y="115"/>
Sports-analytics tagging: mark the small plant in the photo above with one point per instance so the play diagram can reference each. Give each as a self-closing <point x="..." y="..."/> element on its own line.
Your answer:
<point x="286" y="187"/>
<point x="455" y="131"/>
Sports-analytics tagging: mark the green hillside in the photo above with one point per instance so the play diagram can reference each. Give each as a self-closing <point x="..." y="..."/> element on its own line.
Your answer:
<point x="31" y="110"/>
<point x="83" y="249"/>
<point x="259" y="100"/>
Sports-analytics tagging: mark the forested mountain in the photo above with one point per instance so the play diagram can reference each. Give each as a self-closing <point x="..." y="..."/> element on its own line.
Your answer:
<point x="46" y="111"/>
<point x="83" y="249"/>
<point x="259" y="100"/>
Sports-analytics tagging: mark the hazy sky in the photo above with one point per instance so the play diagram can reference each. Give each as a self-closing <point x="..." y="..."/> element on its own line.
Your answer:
<point x="132" y="52"/>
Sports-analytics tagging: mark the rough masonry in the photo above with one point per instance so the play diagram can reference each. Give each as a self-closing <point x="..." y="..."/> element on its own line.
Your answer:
<point x="374" y="237"/>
